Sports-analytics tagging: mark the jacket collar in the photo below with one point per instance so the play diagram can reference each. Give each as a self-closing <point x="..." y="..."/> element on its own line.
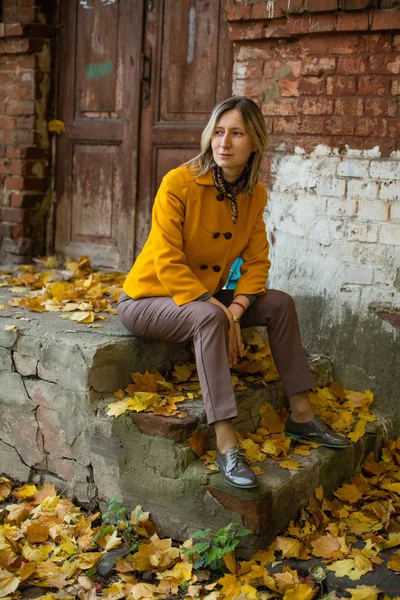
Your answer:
<point x="206" y="179"/>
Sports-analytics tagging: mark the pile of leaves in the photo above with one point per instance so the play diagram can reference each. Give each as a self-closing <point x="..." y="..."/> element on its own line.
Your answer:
<point x="73" y="288"/>
<point x="46" y="541"/>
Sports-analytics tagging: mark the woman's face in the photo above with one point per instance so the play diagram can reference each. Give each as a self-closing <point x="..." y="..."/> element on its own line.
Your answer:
<point x="231" y="144"/>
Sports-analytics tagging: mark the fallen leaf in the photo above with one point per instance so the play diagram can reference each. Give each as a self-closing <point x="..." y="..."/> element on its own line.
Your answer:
<point x="8" y="583"/>
<point x="364" y="592"/>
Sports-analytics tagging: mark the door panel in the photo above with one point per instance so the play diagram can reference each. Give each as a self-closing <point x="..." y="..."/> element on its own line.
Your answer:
<point x="99" y="103"/>
<point x="191" y="57"/>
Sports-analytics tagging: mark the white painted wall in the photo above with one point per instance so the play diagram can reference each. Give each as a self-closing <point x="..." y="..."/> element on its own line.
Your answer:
<point x="334" y="218"/>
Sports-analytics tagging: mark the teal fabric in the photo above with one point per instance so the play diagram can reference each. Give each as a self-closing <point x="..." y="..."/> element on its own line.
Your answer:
<point x="234" y="274"/>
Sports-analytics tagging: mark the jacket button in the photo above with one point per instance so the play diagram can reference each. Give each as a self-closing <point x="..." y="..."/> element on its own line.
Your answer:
<point x="220" y="197"/>
<point x="216" y="268"/>
<point x="228" y="235"/>
<point x="216" y="235"/>
<point x="203" y="267"/>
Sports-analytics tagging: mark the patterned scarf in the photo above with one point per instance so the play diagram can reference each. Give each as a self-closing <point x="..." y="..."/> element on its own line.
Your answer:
<point x="230" y="190"/>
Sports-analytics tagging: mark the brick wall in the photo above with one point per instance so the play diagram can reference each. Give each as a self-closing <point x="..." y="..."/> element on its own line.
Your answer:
<point x="326" y="74"/>
<point x="25" y="42"/>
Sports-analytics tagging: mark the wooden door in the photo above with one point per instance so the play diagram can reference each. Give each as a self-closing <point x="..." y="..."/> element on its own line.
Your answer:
<point x="99" y="98"/>
<point x="187" y="70"/>
<point x="138" y="81"/>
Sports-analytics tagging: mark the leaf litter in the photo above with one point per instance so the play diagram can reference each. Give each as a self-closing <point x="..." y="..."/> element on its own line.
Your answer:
<point x="47" y="541"/>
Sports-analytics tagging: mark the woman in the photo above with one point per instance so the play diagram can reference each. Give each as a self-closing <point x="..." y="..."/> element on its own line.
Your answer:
<point x="206" y="214"/>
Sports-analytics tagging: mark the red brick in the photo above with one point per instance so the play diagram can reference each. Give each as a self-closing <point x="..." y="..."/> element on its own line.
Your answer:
<point x="2" y="27"/>
<point x="260" y="10"/>
<point x="370" y="85"/>
<point x="25" y="200"/>
<point x="25" y="122"/>
<point x="17" y="46"/>
<point x="18" y="232"/>
<point x="5" y="167"/>
<point x="352" y="65"/>
<point x="386" y="64"/>
<point x="270" y="68"/>
<point x="385" y="19"/>
<point x="396" y="42"/>
<point x="280" y="107"/>
<point x="312" y="85"/>
<point x="237" y="12"/>
<point x="352" y="22"/>
<point x="27" y="2"/>
<point x="296" y="25"/>
<point x="292" y="7"/>
<point x="381" y="107"/>
<point x="340" y="86"/>
<point x="5" y="230"/>
<point x="353" y="4"/>
<point x="16" y="167"/>
<point x="321" y="23"/>
<point x="13" y="29"/>
<point x="311" y="125"/>
<point x="340" y="125"/>
<point x="351" y="107"/>
<point x="245" y="31"/>
<point x="371" y="126"/>
<point x="19" y="15"/>
<point x="374" y="42"/>
<point x="394" y="129"/>
<point x="316" y="106"/>
<point x="15" y="215"/>
<point x="275" y="29"/>
<point x="286" y="125"/>
<point x="7" y="136"/>
<point x="345" y="43"/>
<point x="289" y="87"/>
<point x="248" y="69"/>
<point x="14" y="183"/>
<point x="7" y="122"/>
<point x="22" y="107"/>
<point x="257" y="87"/>
<point x="318" y="6"/>
<point x="396" y="86"/>
<point x="318" y="66"/>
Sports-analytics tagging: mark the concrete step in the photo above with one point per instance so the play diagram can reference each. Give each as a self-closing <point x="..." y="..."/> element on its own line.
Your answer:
<point x="184" y="496"/>
<point x="56" y="378"/>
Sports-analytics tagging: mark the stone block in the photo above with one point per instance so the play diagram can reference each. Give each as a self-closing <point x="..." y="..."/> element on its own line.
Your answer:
<point x="73" y="477"/>
<point x="76" y="364"/>
<point x="22" y="434"/>
<point x="12" y="465"/>
<point x="171" y="428"/>
<point x="13" y="396"/>
<point x="5" y="359"/>
<point x="66" y="419"/>
<point x="8" y="339"/>
<point x="25" y="365"/>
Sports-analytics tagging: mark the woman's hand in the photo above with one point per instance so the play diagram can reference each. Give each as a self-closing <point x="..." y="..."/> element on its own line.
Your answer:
<point x="235" y="343"/>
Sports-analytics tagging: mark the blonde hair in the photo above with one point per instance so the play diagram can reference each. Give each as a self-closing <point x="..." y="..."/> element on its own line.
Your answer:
<point x="255" y="127"/>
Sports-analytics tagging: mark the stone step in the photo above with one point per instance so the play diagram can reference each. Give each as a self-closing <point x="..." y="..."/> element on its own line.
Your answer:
<point x="183" y="496"/>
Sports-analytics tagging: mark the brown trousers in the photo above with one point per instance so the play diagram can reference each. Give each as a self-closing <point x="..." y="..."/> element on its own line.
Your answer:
<point x="159" y="318"/>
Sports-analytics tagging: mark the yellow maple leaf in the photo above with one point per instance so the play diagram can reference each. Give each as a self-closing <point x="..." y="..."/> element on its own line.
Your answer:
<point x="358" y="432"/>
<point x="363" y="592"/>
<point x="25" y="492"/>
<point x="8" y="583"/>
<point x="257" y="471"/>
<point x="289" y="547"/>
<point x="348" y="493"/>
<point x="16" y="513"/>
<point x="118" y="408"/>
<point x="394" y="562"/>
<point x="325" y="546"/>
<point x="286" y="580"/>
<point x="392" y="487"/>
<point x="143" y="590"/>
<point x="270" y="419"/>
<point x="156" y="554"/>
<point x="253" y="452"/>
<point x="146" y="382"/>
<point x="342" y="568"/>
<point x="26" y="570"/>
<point x="5" y="488"/>
<point x="37" y="533"/>
<point x="302" y="591"/>
<point x="182" y="373"/>
<point x="292" y="465"/>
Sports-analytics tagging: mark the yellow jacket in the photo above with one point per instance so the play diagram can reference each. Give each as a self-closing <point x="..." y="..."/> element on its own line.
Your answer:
<point x="184" y="257"/>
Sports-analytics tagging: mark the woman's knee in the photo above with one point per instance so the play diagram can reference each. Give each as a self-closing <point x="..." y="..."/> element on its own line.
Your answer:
<point x="278" y="300"/>
<point x="212" y="314"/>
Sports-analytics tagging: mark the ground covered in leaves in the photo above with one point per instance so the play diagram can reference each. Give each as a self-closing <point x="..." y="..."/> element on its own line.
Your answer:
<point x="47" y="541"/>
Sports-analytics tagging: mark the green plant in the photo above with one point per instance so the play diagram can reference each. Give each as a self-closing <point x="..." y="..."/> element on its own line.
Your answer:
<point x="116" y="518"/>
<point x="211" y="553"/>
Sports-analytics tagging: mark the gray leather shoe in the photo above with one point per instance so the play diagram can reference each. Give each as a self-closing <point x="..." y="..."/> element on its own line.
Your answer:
<point x="235" y="468"/>
<point x="318" y="431"/>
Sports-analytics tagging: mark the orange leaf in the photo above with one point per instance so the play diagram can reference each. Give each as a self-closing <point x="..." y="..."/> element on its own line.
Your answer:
<point x="5" y="488"/>
<point x="37" y="533"/>
<point x="198" y="441"/>
<point x="349" y="493"/>
<point x="230" y="562"/>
